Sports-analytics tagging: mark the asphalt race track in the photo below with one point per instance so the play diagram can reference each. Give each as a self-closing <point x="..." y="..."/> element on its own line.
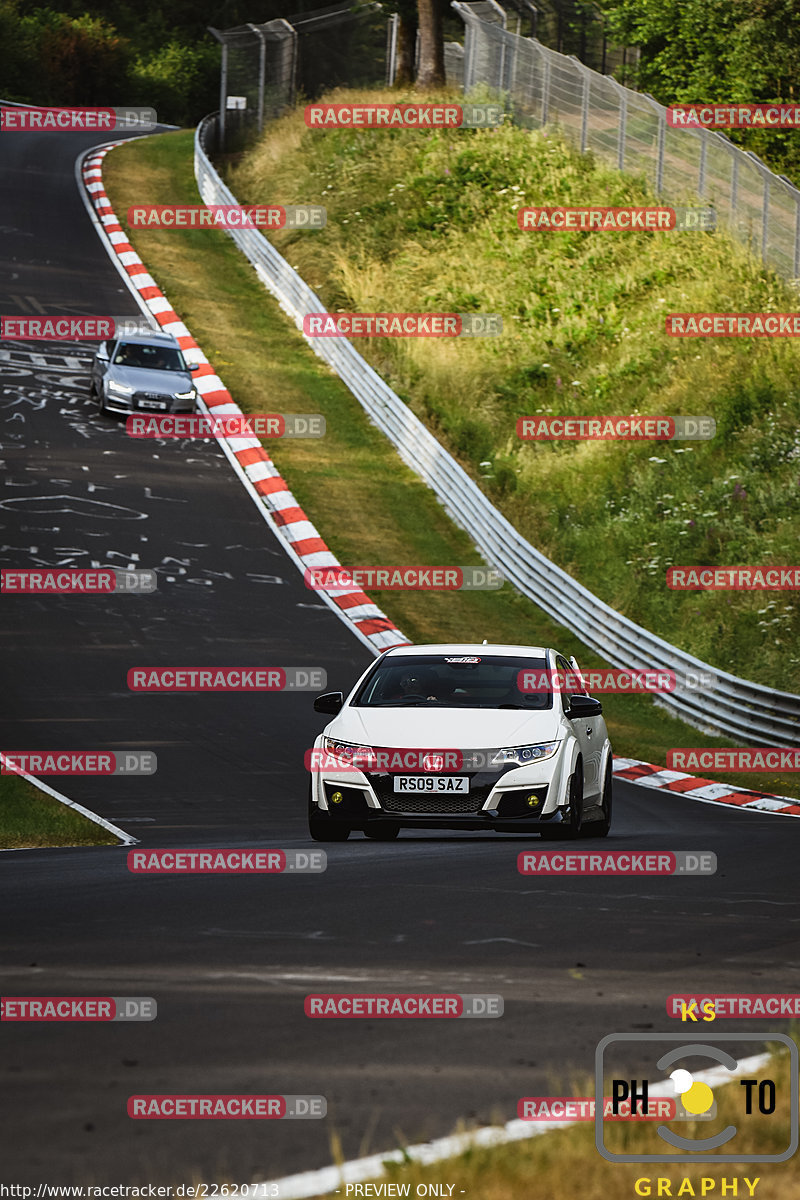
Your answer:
<point x="229" y="959"/>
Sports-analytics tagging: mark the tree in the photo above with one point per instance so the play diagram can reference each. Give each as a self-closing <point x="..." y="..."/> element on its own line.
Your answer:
<point x="431" y="45"/>
<point x="407" y="28"/>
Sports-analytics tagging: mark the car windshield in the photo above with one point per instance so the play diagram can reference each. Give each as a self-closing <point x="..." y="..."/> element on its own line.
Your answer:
<point x="154" y="358"/>
<point x="457" y="681"/>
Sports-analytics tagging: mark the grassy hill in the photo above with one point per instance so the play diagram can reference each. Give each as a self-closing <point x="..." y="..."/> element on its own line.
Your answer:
<point x="426" y="221"/>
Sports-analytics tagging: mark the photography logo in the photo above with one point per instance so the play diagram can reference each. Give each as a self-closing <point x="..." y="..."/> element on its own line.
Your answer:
<point x="681" y="1062"/>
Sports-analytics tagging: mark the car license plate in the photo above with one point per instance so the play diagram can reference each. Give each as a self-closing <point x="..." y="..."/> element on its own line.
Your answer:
<point x="432" y="783"/>
<point x="152" y="404"/>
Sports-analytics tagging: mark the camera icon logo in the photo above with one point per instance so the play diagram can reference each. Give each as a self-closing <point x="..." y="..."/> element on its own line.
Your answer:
<point x="679" y="1062"/>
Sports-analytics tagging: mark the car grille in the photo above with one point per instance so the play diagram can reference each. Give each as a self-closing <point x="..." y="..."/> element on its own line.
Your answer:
<point x="430" y="805"/>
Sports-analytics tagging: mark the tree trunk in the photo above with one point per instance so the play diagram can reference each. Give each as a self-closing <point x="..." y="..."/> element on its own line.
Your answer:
<point x="431" y="49"/>
<point x="406" y="49"/>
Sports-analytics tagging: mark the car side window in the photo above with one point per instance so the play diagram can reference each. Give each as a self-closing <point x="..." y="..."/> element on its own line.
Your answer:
<point x="567" y="680"/>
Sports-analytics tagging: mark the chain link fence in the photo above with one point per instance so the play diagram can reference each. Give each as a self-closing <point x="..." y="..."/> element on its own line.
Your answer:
<point x="629" y="129"/>
<point x="724" y="704"/>
<point x="266" y="68"/>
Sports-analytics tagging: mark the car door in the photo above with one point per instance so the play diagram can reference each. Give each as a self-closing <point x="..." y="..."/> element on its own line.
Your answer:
<point x="588" y="730"/>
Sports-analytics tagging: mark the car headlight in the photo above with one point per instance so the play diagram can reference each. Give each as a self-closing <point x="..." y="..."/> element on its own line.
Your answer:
<point x="524" y="756"/>
<point x="190" y="395"/>
<point x="121" y="389"/>
<point x="351" y="753"/>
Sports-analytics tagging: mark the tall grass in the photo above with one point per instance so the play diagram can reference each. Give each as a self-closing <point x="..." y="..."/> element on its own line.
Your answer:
<point x="420" y="222"/>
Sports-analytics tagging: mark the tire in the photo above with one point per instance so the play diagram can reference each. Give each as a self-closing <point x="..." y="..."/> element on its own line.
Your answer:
<point x="599" y="829"/>
<point x="382" y="833"/>
<point x="322" y="828"/>
<point x="570" y="829"/>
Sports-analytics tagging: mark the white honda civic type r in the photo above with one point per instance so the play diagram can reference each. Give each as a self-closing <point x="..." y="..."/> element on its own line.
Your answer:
<point x="462" y="737"/>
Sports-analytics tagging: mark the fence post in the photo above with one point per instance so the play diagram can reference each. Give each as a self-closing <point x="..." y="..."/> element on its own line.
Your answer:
<point x="576" y="62"/>
<point x="391" y="48"/>
<point x="623" y="123"/>
<point x="512" y="75"/>
<point x="701" y="173"/>
<point x="546" y="90"/>
<point x="293" y="70"/>
<point x="661" y="115"/>
<point x="223" y="95"/>
<point x="262" y="56"/>
<point x="765" y="174"/>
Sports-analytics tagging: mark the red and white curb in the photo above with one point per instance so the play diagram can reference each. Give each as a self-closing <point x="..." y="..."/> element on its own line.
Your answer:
<point x="254" y="465"/>
<point x="300" y="537"/>
<point x="124" y="837"/>
<point x="310" y="1184"/>
<point x="707" y="790"/>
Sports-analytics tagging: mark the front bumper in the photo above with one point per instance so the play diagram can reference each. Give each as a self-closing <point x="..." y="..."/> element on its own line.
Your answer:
<point x="507" y="800"/>
<point x="130" y="405"/>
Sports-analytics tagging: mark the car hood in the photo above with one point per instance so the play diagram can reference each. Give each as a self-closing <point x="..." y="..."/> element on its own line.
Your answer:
<point x="142" y="379"/>
<point x="444" y="728"/>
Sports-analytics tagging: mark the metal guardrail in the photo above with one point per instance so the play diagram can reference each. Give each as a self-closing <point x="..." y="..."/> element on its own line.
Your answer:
<point x="747" y="711"/>
<point x="629" y="130"/>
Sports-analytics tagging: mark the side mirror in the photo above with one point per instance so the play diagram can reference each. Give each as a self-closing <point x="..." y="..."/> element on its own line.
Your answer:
<point x="102" y="352"/>
<point x="329" y="702"/>
<point x="583" y="706"/>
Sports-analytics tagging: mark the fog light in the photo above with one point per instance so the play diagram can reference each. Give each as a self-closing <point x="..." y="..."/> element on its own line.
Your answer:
<point x="532" y="802"/>
<point x="337" y="798"/>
